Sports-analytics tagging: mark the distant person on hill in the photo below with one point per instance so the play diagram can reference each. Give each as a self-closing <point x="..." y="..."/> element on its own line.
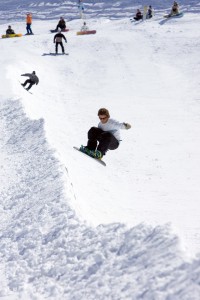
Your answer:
<point x="61" y="24"/>
<point x="33" y="79"/>
<point x="175" y="9"/>
<point x="84" y="27"/>
<point x="58" y="41"/>
<point x="149" y="12"/>
<point x="138" y="15"/>
<point x="29" y="23"/>
<point x="104" y="137"/>
<point x="10" y="30"/>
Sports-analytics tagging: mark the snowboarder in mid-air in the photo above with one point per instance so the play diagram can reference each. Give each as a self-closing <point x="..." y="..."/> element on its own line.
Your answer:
<point x="58" y="40"/>
<point x="33" y="79"/>
<point x="104" y="137"/>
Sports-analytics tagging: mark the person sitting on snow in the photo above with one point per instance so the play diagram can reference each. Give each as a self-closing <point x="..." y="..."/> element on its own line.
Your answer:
<point x="61" y="24"/>
<point x="104" y="137"/>
<point x="175" y="8"/>
<point x="10" y="30"/>
<point x="138" y="15"/>
<point x="84" y="27"/>
<point x="149" y="12"/>
<point x="33" y="79"/>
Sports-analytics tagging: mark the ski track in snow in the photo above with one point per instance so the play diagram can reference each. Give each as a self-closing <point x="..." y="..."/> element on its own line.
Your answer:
<point x="49" y="246"/>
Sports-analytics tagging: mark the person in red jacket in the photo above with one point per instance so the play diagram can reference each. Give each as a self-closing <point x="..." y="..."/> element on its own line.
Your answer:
<point x="29" y="23"/>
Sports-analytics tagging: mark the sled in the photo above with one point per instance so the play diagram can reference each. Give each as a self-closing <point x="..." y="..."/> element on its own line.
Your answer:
<point x="179" y="15"/>
<point x="4" y="36"/>
<point x="86" y="32"/>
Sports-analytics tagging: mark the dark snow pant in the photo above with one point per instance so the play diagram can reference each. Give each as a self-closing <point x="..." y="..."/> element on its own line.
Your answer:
<point x="62" y="28"/>
<point x="61" y="44"/>
<point x="104" y="139"/>
<point x="28" y="28"/>
<point x="31" y="83"/>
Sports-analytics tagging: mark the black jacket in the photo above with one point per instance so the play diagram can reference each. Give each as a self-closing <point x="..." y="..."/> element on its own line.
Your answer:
<point x="58" y="38"/>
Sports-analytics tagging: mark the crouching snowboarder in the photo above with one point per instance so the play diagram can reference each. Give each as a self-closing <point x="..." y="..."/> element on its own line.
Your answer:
<point x="33" y="79"/>
<point x="104" y="137"/>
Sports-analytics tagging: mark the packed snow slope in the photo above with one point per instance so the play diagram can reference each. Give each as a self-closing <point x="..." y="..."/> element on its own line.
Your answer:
<point x="71" y="228"/>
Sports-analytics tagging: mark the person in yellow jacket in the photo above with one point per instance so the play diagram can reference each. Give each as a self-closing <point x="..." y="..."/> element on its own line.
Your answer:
<point x="29" y="23"/>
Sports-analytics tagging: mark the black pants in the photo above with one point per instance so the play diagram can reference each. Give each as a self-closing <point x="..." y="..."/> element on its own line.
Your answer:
<point x="106" y="140"/>
<point x="31" y="83"/>
<point x="28" y="28"/>
<point x="62" y="28"/>
<point x="61" y="44"/>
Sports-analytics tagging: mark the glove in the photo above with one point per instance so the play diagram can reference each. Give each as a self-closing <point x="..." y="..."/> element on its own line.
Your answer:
<point x="65" y="41"/>
<point x="127" y="126"/>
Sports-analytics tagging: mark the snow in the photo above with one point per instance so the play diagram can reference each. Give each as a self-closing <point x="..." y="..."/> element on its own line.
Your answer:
<point x="71" y="228"/>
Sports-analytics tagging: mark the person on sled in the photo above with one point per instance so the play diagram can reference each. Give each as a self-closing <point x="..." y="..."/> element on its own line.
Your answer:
<point x="138" y="15"/>
<point x="58" y="41"/>
<point x="84" y="27"/>
<point x="175" y="9"/>
<point x="10" y="30"/>
<point x="104" y="137"/>
<point x="61" y="24"/>
<point x="33" y="79"/>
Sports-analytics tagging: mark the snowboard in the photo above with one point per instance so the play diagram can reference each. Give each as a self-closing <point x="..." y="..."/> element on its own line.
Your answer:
<point x="96" y="159"/>
<point x="54" y="30"/>
<point x="179" y="15"/>
<point x="86" y="32"/>
<point x="25" y="88"/>
<point x="54" y="54"/>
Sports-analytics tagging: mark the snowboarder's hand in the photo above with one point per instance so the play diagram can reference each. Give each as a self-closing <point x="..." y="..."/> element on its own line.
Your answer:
<point x="127" y="126"/>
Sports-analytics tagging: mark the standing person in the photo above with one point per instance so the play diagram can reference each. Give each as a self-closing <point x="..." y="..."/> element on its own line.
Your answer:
<point x="33" y="79"/>
<point x="61" y="24"/>
<point x="29" y="23"/>
<point x="58" y="40"/>
<point x="138" y="15"/>
<point x="81" y="8"/>
<point x="104" y="137"/>
<point x="149" y="12"/>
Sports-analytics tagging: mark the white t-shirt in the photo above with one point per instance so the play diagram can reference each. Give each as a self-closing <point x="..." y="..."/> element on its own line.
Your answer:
<point x="113" y="127"/>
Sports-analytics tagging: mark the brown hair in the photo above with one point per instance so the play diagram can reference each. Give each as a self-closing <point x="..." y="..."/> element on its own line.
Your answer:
<point x="103" y="111"/>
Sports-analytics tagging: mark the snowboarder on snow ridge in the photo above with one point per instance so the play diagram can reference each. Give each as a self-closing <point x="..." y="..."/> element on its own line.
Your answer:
<point x="33" y="79"/>
<point x="104" y="137"/>
<point x="58" y="40"/>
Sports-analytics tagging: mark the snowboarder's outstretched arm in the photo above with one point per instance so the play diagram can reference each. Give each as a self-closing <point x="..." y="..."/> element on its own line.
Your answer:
<point x="26" y="74"/>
